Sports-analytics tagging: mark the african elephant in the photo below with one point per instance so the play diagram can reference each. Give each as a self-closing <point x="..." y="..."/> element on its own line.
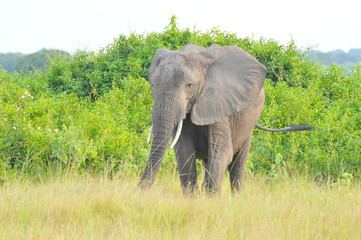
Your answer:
<point x="209" y="101"/>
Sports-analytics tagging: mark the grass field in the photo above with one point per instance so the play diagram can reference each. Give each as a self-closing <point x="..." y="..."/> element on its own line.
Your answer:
<point x="94" y="207"/>
<point x="90" y="114"/>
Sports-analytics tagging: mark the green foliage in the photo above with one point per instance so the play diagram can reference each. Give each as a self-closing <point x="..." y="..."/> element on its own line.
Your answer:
<point x="7" y="61"/>
<point x="92" y="111"/>
<point x="29" y="62"/>
<point x="347" y="60"/>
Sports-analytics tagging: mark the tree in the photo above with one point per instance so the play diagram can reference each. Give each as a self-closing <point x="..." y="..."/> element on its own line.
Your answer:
<point x="39" y="60"/>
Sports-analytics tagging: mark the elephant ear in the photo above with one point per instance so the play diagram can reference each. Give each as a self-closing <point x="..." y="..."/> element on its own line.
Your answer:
<point x="155" y="62"/>
<point x="233" y="83"/>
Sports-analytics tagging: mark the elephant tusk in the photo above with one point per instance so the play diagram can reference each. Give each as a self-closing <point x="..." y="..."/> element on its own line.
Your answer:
<point x="150" y="134"/>
<point x="179" y="129"/>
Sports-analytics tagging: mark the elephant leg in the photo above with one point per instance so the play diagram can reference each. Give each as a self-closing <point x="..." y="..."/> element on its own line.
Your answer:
<point x="238" y="165"/>
<point x="186" y="165"/>
<point x="219" y="155"/>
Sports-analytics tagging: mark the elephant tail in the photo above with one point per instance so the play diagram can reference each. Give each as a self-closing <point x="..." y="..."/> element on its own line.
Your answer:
<point x="293" y="127"/>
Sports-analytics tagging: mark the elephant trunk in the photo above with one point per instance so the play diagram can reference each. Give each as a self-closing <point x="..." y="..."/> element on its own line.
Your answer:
<point x="164" y="122"/>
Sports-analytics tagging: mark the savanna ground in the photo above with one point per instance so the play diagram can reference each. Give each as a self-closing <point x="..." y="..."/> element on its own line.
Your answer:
<point x="69" y="206"/>
<point x="73" y="147"/>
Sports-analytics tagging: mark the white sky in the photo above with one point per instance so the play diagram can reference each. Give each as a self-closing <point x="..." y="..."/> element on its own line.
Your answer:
<point x="30" y="25"/>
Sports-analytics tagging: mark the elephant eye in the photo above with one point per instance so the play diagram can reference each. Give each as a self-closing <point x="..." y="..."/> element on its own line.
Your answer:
<point x="188" y="86"/>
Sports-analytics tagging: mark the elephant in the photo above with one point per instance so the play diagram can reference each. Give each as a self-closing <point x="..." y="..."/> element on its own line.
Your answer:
<point x="209" y="100"/>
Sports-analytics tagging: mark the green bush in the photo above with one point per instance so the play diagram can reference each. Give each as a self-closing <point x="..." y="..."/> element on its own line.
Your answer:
<point x="92" y="112"/>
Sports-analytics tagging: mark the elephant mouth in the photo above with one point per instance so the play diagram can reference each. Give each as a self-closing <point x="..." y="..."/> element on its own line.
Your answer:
<point x="175" y="137"/>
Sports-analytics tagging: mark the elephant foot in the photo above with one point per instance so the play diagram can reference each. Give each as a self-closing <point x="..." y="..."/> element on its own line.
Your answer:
<point x="210" y="187"/>
<point x="190" y="191"/>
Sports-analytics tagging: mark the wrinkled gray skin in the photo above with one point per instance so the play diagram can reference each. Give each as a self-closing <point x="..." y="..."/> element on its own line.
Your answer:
<point x="218" y="93"/>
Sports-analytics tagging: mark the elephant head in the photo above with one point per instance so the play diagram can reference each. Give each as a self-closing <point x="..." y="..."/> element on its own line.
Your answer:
<point x="205" y="84"/>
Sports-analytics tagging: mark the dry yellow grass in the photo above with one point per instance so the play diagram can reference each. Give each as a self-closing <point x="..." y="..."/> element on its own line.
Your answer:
<point x="96" y="208"/>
